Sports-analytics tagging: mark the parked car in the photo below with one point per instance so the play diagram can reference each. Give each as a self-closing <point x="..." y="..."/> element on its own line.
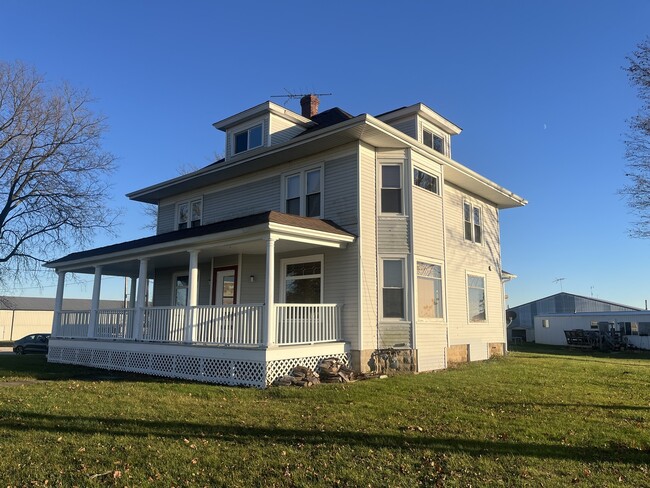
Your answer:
<point x="36" y="343"/>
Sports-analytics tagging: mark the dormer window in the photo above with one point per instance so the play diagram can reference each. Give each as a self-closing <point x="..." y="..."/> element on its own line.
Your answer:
<point x="434" y="141"/>
<point x="248" y="139"/>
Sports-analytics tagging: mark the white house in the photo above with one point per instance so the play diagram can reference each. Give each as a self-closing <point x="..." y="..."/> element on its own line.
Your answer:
<point x="318" y="235"/>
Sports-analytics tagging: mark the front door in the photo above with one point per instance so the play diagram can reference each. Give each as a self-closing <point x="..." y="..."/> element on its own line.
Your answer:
<point x="225" y="286"/>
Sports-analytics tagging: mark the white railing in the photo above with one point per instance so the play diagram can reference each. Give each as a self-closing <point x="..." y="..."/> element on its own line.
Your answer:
<point x="115" y="324"/>
<point x="307" y="323"/>
<point x="229" y="324"/>
<point x="74" y="323"/>
<point x="163" y="324"/>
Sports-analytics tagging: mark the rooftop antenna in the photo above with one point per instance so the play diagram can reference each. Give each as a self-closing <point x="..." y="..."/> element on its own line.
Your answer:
<point x="297" y="96"/>
<point x="559" y="280"/>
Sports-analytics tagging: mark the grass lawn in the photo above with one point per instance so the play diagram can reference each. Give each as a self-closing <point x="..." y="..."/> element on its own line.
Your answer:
<point x="540" y="417"/>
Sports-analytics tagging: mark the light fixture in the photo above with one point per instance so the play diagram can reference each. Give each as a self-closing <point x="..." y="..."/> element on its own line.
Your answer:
<point x="252" y="278"/>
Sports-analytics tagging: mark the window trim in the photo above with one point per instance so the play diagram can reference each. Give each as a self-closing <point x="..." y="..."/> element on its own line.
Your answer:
<point x="484" y="278"/>
<point x="248" y="129"/>
<point x="405" y="296"/>
<point x="302" y="173"/>
<point x="296" y="260"/>
<point x="189" y="202"/>
<point x="472" y="222"/>
<point x="442" y="290"/>
<point x="400" y="165"/>
<point x="434" y="133"/>
<point x="436" y="178"/>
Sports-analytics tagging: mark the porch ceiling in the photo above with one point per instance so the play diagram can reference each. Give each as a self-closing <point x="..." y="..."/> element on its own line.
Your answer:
<point x="246" y="235"/>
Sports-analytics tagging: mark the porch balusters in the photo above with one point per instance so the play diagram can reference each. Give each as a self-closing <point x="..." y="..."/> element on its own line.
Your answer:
<point x="94" y="306"/>
<point x="58" y="304"/>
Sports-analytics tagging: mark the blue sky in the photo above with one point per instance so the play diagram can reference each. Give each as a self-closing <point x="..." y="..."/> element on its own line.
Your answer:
<point x="537" y="86"/>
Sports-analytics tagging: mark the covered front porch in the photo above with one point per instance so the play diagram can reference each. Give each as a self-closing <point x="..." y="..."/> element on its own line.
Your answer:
<point x="246" y="323"/>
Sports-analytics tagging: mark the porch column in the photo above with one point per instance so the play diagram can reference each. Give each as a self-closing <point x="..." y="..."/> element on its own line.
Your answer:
<point x="268" y="332"/>
<point x="58" y="304"/>
<point x="140" y="301"/>
<point x="189" y="334"/>
<point x="133" y="292"/>
<point x="94" y="305"/>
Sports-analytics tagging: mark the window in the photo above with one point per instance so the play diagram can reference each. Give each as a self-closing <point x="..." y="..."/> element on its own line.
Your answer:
<point x="429" y="291"/>
<point x="434" y="141"/>
<point x="476" y="298"/>
<point x="248" y="139"/>
<point x="473" y="221"/>
<point x="391" y="188"/>
<point x="303" y="193"/>
<point x="425" y="181"/>
<point x="393" y="288"/>
<point x="181" y="287"/>
<point x="189" y="214"/>
<point x="546" y="323"/>
<point x="302" y="279"/>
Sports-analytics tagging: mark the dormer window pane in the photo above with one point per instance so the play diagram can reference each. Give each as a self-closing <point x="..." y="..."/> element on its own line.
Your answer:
<point x="241" y="142"/>
<point x="438" y="144"/>
<point x="255" y="137"/>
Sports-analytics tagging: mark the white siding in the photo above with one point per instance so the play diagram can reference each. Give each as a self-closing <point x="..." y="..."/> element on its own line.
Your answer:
<point x="463" y="257"/>
<point x="408" y="126"/>
<point x="283" y="130"/>
<point x="239" y="201"/>
<point x="166" y="218"/>
<point x="393" y="235"/>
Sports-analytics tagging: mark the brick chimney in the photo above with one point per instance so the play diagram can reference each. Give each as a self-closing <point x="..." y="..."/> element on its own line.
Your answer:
<point x="309" y="105"/>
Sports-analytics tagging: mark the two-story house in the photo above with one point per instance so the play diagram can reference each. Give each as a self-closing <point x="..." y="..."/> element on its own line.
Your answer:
<point x="318" y="235"/>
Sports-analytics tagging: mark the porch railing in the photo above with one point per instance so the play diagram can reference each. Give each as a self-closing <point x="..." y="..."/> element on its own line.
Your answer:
<point x="307" y="323"/>
<point x="233" y="325"/>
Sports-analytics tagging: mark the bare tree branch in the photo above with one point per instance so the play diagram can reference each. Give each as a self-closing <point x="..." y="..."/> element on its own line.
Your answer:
<point x="54" y="190"/>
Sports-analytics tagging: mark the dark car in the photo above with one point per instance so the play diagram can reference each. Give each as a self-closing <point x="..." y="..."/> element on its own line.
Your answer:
<point x="32" y="343"/>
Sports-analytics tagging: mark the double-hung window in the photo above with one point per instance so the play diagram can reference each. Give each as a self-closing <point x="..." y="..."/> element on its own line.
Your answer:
<point x="434" y="141"/>
<point x="303" y="193"/>
<point x="248" y="139"/>
<point x="476" y="298"/>
<point x="429" y="291"/>
<point x="303" y="279"/>
<point x="391" y="188"/>
<point x="425" y="181"/>
<point x="473" y="221"/>
<point x="189" y="213"/>
<point x="393" y="292"/>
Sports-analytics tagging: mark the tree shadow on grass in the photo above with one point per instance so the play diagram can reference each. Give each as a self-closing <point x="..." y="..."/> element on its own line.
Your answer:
<point x="245" y="435"/>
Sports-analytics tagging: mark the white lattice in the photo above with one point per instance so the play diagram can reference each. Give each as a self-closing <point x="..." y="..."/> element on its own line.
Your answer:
<point x="282" y="367"/>
<point x="120" y="360"/>
<point x="54" y="354"/>
<point x="139" y="361"/>
<point x="101" y="358"/>
<point x="84" y="356"/>
<point x="163" y="363"/>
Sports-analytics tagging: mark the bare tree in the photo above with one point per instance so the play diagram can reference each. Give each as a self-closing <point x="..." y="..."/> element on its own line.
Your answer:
<point x="54" y="191"/>
<point x="637" y="142"/>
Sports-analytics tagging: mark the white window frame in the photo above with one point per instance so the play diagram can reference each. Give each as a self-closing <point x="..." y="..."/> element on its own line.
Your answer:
<point x="485" y="297"/>
<point x="428" y="173"/>
<point x="301" y="259"/>
<point x="442" y="290"/>
<point x="434" y="133"/>
<point x="401" y="166"/>
<point x="302" y="174"/>
<point x="248" y="129"/>
<point x="189" y="203"/>
<point x="405" y="318"/>
<point x="472" y="222"/>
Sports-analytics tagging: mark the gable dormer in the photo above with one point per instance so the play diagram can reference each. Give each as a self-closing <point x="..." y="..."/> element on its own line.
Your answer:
<point x="424" y="125"/>
<point x="264" y="125"/>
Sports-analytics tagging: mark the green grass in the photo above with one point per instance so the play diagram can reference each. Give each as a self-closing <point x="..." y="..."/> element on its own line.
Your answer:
<point x="540" y="417"/>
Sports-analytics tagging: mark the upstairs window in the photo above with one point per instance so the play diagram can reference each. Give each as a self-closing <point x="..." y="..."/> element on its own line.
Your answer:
<point x="434" y="141"/>
<point x="248" y="139"/>
<point x="303" y="193"/>
<point x="391" y="188"/>
<point x="189" y="214"/>
<point x="473" y="222"/>
<point x="425" y="181"/>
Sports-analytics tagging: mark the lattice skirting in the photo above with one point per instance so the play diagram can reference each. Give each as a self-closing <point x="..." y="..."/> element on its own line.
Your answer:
<point x="211" y="370"/>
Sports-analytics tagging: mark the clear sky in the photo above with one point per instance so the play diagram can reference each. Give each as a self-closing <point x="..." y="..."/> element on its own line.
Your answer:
<point x="537" y="86"/>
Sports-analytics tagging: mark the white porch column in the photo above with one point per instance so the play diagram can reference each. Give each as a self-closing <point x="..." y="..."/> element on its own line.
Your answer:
<point x="269" y="332"/>
<point x="133" y="292"/>
<point x="58" y="304"/>
<point x="140" y="301"/>
<point x="189" y="334"/>
<point x="94" y="305"/>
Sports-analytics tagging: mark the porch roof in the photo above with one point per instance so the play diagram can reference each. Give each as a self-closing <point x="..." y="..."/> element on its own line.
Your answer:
<point x="247" y="232"/>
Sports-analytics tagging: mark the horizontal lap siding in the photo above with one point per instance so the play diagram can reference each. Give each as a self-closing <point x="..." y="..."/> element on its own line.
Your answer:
<point x="432" y="342"/>
<point x="393" y="235"/>
<point x="340" y="191"/>
<point x="407" y="126"/>
<point x="394" y="334"/>
<point x="340" y="278"/>
<point x="282" y="130"/>
<point x="240" y="201"/>
<point x="166" y="217"/>
<point x="368" y="246"/>
<point x="467" y="257"/>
